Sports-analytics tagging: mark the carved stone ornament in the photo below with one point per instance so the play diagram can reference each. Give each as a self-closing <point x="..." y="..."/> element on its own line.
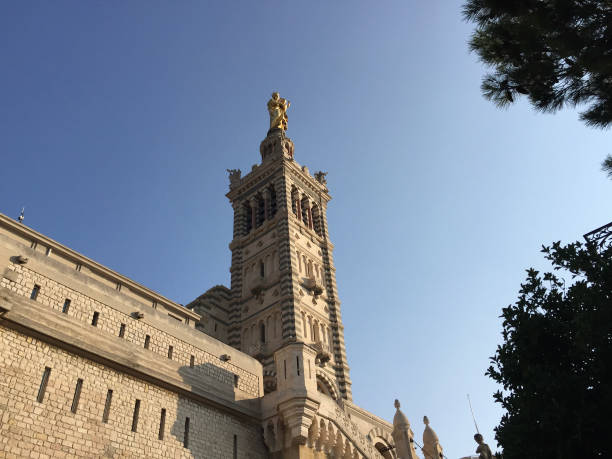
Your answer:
<point x="320" y="177"/>
<point x="323" y="354"/>
<point x="21" y="259"/>
<point x="276" y="145"/>
<point x="234" y="177"/>
<point x="258" y="292"/>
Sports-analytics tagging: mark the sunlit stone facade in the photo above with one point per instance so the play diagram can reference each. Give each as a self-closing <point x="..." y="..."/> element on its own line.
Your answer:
<point x="95" y="365"/>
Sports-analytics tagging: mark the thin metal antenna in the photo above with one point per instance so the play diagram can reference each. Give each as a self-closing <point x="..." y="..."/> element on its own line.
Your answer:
<point x="472" y="411"/>
<point x="21" y="215"/>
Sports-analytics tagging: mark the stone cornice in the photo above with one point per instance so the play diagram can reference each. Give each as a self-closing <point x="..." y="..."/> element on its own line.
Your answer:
<point x="95" y="267"/>
<point x="307" y="180"/>
<point x="260" y="173"/>
<point x="263" y="171"/>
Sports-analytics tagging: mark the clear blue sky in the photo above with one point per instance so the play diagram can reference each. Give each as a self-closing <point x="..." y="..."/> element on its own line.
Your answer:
<point x="120" y="118"/>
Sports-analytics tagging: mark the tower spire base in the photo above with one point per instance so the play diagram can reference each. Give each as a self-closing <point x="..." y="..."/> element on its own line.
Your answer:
<point x="276" y="145"/>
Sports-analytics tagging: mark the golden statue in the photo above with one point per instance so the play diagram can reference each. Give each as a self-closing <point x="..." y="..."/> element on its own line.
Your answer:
<point x="277" y="107"/>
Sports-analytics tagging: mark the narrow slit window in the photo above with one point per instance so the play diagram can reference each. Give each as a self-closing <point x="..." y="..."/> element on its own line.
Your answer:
<point x="285" y="367"/>
<point x="35" y="292"/>
<point x="122" y="331"/>
<point x="94" y="319"/>
<point x="43" y="385"/>
<point x="107" y="405"/>
<point x="236" y="378"/>
<point x="147" y="342"/>
<point x="66" y="306"/>
<point x="162" y="424"/>
<point x="135" y="417"/>
<point x="170" y="352"/>
<point x="77" y="395"/>
<point x="192" y="361"/>
<point x="235" y="446"/>
<point x="186" y="436"/>
<point x="297" y="360"/>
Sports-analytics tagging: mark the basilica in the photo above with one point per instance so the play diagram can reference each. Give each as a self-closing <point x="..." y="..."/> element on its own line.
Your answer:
<point x="94" y="364"/>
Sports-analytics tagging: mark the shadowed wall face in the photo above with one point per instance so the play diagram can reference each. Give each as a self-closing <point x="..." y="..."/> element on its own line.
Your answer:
<point x="102" y="425"/>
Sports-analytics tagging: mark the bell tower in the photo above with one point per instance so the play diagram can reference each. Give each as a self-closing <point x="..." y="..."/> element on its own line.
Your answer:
<point x="284" y="307"/>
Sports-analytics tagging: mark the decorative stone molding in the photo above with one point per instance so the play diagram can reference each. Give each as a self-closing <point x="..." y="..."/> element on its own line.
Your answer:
<point x="336" y="438"/>
<point x="276" y="145"/>
<point x="22" y="260"/>
<point x="329" y="384"/>
<point x="298" y="414"/>
<point x="323" y="353"/>
<point x="234" y="177"/>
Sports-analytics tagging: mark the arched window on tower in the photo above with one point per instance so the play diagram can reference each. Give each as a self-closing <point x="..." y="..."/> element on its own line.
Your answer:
<point x="305" y="206"/>
<point x="248" y="217"/>
<point x="261" y="210"/>
<point x="272" y="203"/>
<point x="316" y="217"/>
<point x="294" y="200"/>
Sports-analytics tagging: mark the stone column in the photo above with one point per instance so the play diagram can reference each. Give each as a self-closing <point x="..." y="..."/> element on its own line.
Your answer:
<point x="310" y="225"/>
<point x="266" y="196"/>
<point x="298" y="206"/>
<point x="253" y="204"/>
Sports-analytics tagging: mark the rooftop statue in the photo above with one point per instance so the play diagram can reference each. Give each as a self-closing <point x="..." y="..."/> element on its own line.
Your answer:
<point x="277" y="107"/>
<point x="483" y="450"/>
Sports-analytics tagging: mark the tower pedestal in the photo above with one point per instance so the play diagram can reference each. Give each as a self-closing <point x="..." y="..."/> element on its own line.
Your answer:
<point x="276" y="145"/>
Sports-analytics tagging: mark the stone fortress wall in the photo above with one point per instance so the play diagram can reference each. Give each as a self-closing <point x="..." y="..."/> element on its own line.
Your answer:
<point x="94" y="365"/>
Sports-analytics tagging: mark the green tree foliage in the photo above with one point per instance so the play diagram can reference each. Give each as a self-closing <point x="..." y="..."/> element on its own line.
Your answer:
<point x="556" y="52"/>
<point x="555" y="365"/>
<point x="607" y="166"/>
